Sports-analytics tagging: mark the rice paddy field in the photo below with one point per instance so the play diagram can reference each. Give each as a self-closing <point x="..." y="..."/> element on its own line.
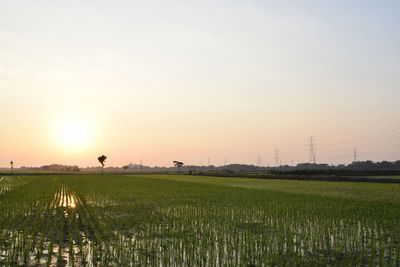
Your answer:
<point x="180" y="220"/>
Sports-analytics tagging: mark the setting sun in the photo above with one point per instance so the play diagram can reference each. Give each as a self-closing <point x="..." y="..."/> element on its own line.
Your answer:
<point x="72" y="134"/>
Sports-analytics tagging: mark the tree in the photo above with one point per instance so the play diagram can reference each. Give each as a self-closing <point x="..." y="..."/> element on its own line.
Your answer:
<point x="12" y="166"/>
<point x="178" y="164"/>
<point x="125" y="167"/>
<point x="102" y="160"/>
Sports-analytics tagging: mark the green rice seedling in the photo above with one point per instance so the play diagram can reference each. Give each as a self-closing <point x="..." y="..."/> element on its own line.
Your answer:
<point x="183" y="220"/>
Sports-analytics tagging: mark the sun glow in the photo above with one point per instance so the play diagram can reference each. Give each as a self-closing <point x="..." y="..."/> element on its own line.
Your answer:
<point x="72" y="134"/>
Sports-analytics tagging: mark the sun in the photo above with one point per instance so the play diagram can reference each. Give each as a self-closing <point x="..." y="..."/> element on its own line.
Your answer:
<point x="72" y="134"/>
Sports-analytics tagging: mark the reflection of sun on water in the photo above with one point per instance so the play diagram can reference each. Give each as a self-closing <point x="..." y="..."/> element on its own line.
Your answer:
<point x="72" y="204"/>
<point x="68" y="202"/>
<point x="65" y="199"/>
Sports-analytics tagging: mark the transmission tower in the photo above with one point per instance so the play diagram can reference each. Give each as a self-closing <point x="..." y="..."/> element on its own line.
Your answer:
<point x="277" y="161"/>
<point x="312" y="150"/>
<point x="355" y="155"/>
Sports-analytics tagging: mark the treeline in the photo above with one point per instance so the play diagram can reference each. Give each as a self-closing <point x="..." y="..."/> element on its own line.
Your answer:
<point x="184" y="168"/>
<point x="302" y="168"/>
<point x="363" y="168"/>
<point x="52" y="167"/>
<point x="356" y="168"/>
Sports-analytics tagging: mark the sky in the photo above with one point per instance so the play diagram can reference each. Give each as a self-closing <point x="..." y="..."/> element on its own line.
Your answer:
<point x="198" y="81"/>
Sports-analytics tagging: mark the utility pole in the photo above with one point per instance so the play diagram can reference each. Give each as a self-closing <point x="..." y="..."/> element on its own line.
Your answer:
<point x="259" y="161"/>
<point x="208" y="161"/>
<point x="141" y="166"/>
<point x="312" y="150"/>
<point x="355" y="154"/>
<point x="277" y="158"/>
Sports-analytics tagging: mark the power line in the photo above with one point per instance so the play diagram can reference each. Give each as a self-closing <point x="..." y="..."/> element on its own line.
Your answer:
<point x="392" y="139"/>
<point x="394" y="148"/>
<point x="380" y="142"/>
<point x="389" y="130"/>
<point x="384" y="141"/>
<point x="385" y="149"/>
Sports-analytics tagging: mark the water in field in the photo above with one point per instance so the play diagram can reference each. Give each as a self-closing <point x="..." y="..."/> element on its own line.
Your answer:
<point x="70" y="221"/>
<point x="65" y="199"/>
<point x="7" y="183"/>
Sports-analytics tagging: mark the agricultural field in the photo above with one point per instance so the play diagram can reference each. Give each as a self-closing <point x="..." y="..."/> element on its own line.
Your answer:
<point x="180" y="220"/>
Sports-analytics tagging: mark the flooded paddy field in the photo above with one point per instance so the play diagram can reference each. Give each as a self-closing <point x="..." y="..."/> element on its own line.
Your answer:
<point x="171" y="220"/>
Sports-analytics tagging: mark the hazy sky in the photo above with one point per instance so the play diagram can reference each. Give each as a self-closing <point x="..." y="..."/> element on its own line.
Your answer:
<point x="188" y="80"/>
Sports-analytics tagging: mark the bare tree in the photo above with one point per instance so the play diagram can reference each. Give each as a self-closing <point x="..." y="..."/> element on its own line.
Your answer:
<point x="102" y="160"/>
<point x="178" y="164"/>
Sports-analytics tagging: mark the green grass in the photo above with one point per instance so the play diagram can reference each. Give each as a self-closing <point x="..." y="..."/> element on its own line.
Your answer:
<point x="188" y="220"/>
<point x="353" y="190"/>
